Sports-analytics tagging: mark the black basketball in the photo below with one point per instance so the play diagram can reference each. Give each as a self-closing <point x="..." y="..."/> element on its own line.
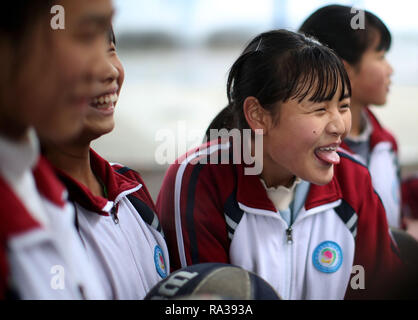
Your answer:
<point x="213" y="281"/>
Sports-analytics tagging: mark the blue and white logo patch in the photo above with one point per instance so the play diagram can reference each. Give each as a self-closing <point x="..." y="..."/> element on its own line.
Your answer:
<point x="327" y="257"/>
<point x="160" y="262"/>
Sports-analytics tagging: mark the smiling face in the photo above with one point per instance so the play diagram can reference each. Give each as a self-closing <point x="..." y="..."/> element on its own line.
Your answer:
<point x="370" y="79"/>
<point x="99" y="118"/>
<point x="54" y="80"/>
<point x="303" y="140"/>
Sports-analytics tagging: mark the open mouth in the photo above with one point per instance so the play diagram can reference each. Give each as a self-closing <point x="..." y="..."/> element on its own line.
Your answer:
<point x="104" y="101"/>
<point x="328" y="155"/>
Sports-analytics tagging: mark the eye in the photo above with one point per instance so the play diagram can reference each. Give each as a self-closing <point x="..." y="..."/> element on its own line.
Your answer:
<point x="321" y="110"/>
<point x="381" y="55"/>
<point x="112" y="48"/>
<point x="345" y="106"/>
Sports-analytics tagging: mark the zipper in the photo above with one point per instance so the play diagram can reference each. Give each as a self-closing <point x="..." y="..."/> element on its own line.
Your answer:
<point x="114" y="213"/>
<point x="121" y="231"/>
<point x="289" y="235"/>
<point x="289" y="249"/>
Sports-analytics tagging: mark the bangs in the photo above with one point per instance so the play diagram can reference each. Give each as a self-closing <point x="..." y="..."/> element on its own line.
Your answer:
<point x="316" y="75"/>
<point x="385" y="42"/>
<point x="377" y="30"/>
<point x="381" y="40"/>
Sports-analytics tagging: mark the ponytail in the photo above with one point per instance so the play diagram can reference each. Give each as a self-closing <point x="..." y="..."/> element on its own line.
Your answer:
<point x="223" y="120"/>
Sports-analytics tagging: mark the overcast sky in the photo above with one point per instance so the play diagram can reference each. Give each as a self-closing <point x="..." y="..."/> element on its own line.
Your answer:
<point x="194" y="18"/>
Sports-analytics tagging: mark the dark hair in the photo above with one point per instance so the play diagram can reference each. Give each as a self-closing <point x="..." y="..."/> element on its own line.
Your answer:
<point x="18" y="16"/>
<point x="223" y="120"/>
<point x="277" y="66"/>
<point x="331" y="25"/>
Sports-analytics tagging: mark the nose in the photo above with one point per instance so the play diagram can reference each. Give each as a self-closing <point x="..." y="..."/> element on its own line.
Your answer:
<point x="106" y="72"/>
<point x="390" y="69"/>
<point x="102" y="71"/>
<point x="337" y="125"/>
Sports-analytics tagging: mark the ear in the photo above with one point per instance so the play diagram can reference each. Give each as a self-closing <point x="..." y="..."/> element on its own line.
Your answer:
<point x="257" y="117"/>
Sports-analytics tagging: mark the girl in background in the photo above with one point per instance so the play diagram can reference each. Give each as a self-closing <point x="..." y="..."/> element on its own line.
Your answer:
<point x="363" y="52"/>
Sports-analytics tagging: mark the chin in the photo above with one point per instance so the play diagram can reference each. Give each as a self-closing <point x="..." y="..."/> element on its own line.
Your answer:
<point x="380" y="102"/>
<point x="102" y="131"/>
<point x="99" y="127"/>
<point x="110" y="128"/>
<point x="321" y="182"/>
<point x="322" y="178"/>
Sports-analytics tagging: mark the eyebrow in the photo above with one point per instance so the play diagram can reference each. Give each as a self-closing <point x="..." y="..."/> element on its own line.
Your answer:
<point x="97" y="19"/>
<point x="345" y="96"/>
<point x="312" y="103"/>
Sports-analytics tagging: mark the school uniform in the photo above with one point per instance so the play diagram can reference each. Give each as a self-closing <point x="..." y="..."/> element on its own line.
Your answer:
<point x="120" y="232"/>
<point x="410" y="196"/>
<point x="216" y="213"/>
<point x="377" y="149"/>
<point x="41" y="255"/>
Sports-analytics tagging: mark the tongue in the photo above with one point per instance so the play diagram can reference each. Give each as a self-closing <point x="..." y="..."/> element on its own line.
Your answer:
<point x="328" y="156"/>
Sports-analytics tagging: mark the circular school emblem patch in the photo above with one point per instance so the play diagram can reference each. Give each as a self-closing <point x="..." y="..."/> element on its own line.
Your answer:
<point x="160" y="262"/>
<point x="327" y="257"/>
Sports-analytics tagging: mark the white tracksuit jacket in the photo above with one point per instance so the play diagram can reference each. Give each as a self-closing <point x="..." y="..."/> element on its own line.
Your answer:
<point x="216" y="213"/>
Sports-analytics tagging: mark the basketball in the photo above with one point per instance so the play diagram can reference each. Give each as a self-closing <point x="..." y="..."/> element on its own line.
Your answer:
<point x="213" y="281"/>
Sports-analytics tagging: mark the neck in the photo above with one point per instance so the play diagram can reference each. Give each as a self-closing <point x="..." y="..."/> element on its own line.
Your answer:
<point x="356" y="122"/>
<point x="272" y="174"/>
<point x="274" y="182"/>
<point x="74" y="160"/>
<point x="275" y="176"/>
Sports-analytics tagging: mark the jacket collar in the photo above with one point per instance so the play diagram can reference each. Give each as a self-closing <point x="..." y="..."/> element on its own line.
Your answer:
<point x="252" y="194"/>
<point x="116" y="184"/>
<point x="379" y="134"/>
<point x="18" y="157"/>
<point x="14" y="217"/>
<point x="48" y="184"/>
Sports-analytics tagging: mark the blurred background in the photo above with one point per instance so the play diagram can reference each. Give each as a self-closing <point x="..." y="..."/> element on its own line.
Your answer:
<point x="177" y="54"/>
